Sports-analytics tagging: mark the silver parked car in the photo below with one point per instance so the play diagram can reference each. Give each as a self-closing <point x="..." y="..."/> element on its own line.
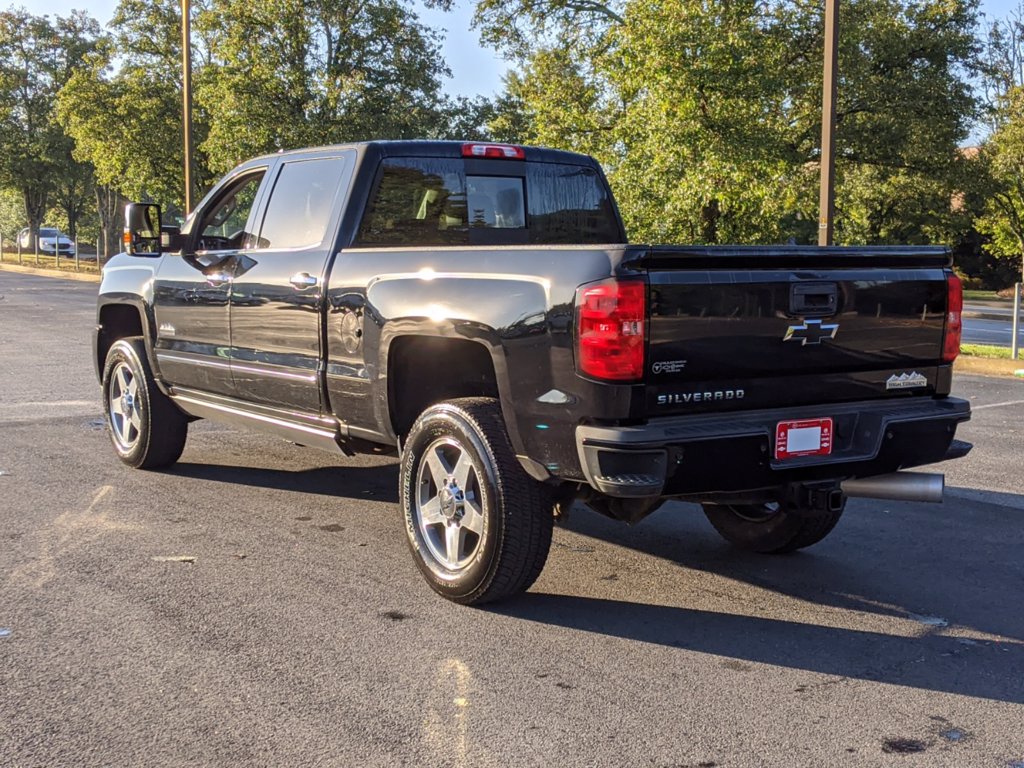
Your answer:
<point x="51" y="241"/>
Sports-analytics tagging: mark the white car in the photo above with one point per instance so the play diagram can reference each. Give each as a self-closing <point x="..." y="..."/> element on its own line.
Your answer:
<point x="51" y="241"/>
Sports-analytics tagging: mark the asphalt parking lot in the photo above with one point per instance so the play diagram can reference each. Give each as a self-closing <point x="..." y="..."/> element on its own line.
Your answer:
<point x="256" y="605"/>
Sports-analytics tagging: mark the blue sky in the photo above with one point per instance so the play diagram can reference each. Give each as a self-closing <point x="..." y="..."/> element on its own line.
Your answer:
<point x="475" y="70"/>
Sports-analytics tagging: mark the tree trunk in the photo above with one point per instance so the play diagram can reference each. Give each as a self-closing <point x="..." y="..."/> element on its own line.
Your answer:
<point x="109" y="203"/>
<point x="72" y="208"/>
<point x="709" y="215"/>
<point x="35" y="209"/>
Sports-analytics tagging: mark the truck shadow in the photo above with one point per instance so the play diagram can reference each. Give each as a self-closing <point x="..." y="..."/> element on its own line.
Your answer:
<point x="923" y="566"/>
<point x="933" y="662"/>
<point x="376" y="483"/>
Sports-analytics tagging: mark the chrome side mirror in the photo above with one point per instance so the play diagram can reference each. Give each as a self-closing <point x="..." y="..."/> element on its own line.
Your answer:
<point x="142" y="229"/>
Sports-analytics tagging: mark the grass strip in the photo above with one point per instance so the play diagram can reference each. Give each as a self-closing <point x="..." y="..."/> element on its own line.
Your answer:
<point x="971" y="294"/>
<point x="984" y="350"/>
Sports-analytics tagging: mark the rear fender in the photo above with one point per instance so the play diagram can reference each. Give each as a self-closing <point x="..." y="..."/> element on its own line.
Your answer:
<point x="507" y="315"/>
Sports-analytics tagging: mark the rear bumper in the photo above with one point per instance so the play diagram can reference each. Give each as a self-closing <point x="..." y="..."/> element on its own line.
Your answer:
<point x="732" y="453"/>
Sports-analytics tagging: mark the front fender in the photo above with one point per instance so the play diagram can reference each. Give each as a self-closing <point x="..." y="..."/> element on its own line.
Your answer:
<point x="127" y="281"/>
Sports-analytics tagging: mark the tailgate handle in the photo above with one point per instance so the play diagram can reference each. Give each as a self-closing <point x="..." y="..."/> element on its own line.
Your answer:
<point x="813" y="299"/>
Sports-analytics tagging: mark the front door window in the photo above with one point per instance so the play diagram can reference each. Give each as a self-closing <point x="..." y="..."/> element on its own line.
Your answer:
<point x="223" y="226"/>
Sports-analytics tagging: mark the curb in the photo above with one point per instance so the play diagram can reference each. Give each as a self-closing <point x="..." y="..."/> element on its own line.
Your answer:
<point x="974" y="315"/>
<point x="87" y="277"/>
<point x="987" y="366"/>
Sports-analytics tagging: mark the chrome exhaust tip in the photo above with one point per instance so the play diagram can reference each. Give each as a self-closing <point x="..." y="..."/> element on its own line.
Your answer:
<point x="899" y="486"/>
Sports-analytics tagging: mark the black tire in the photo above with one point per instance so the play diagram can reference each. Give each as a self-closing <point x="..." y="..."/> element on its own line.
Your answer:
<point x="154" y="434"/>
<point x="512" y="512"/>
<point x="768" y="529"/>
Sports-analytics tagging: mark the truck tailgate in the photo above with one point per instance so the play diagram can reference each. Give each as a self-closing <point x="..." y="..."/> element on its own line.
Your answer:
<point x="738" y="328"/>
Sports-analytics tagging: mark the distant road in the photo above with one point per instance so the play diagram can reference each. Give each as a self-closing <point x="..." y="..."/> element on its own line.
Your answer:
<point x="988" y="323"/>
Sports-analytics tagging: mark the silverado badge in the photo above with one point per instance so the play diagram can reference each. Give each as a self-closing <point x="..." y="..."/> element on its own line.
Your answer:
<point x="906" y="381"/>
<point x="811" y="332"/>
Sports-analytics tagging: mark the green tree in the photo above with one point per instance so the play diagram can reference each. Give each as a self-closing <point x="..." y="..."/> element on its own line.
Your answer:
<point x="37" y="57"/>
<point x="12" y="215"/>
<point x="1003" y="63"/>
<point x="127" y="121"/>
<point x="1000" y="159"/>
<point x="1003" y="157"/>
<point x="707" y="113"/>
<point x="290" y="73"/>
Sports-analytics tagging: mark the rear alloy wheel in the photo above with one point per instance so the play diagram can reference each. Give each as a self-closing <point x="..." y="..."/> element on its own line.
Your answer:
<point x="478" y="526"/>
<point x="768" y="528"/>
<point x="448" y="499"/>
<point x="147" y="429"/>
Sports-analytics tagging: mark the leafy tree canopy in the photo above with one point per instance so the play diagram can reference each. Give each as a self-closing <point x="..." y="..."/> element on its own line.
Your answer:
<point x="127" y="119"/>
<point x="37" y="57"/>
<point x="1003" y="157"/>
<point x="290" y="73"/>
<point x="707" y="112"/>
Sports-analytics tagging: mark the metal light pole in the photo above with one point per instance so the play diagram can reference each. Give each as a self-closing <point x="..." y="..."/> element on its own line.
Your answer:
<point x="827" y="197"/>
<point x="186" y="82"/>
<point x="1014" y="343"/>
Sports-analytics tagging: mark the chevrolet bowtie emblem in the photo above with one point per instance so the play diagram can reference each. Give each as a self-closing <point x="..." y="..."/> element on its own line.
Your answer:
<point x="811" y="332"/>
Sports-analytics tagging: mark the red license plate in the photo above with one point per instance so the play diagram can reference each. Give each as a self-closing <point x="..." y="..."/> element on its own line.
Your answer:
<point x="807" y="437"/>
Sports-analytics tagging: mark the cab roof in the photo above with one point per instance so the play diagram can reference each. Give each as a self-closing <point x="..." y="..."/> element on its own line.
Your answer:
<point x="430" y="148"/>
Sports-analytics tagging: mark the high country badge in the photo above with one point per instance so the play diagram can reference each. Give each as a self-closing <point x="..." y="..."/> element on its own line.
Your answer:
<point x="906" y="381"/>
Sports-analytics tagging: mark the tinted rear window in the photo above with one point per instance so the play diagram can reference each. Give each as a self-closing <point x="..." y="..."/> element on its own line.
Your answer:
<point x="420" y="201"/>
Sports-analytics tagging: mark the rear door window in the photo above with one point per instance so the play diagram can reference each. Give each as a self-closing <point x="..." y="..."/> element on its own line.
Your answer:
<point x="301" y="203"/>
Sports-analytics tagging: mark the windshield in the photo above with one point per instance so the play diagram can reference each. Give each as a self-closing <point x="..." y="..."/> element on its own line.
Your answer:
<point x="49" y="232"/>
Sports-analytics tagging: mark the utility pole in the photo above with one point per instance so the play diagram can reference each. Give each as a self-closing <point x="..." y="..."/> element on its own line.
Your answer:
<point x="186" y="83"/>
<point x="827" y="197"/>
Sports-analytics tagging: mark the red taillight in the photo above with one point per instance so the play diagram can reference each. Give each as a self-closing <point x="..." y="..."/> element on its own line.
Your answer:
<point x="495" y="151"/>
<point x="610" y="319"/>
<point x="954" y="324"/>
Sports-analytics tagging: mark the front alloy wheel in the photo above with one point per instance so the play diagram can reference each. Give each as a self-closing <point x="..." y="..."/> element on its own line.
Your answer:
<point x="125" y="407"/>
<point x="146" y="428"/>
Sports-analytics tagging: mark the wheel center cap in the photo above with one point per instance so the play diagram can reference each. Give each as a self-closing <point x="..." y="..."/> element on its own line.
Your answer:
<point x="451" y="502"/>
<point x="129" y="401"/>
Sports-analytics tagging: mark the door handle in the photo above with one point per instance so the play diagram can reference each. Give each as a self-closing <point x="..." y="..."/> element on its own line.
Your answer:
<point x="302" y="280"/>
<point x="218" y="278"/>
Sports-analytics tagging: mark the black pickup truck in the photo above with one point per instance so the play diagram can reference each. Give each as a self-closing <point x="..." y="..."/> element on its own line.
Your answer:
<point x="476" y="310"/>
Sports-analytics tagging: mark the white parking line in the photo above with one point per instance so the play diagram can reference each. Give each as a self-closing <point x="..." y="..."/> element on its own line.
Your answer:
<point x="996" y="405"/>
<point x="48" y="404"/>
